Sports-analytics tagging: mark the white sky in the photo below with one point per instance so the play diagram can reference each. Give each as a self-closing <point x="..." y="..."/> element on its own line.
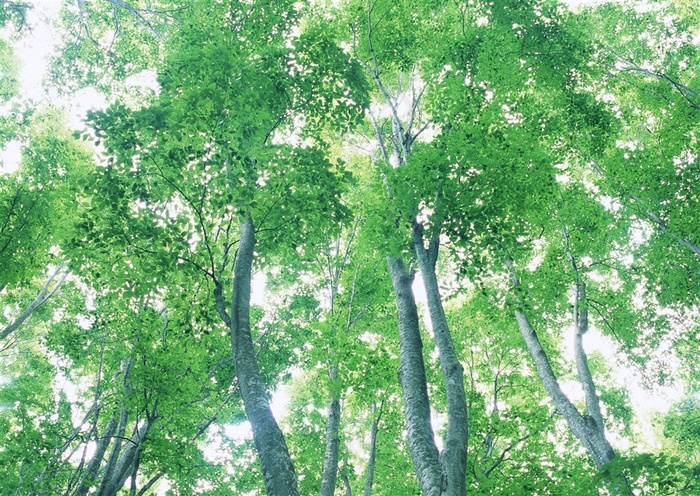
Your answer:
<point x="33" y="50"/>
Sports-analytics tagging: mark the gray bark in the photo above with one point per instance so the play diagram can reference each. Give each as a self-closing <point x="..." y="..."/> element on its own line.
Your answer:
<point x="454" y="454"/>
<point x="276" y="464"/>
<point x="421" y="440"/>
<point x="102" y="444"/>
<point x="125" y="463"/>
<point x="330" y="460"/>
<point x="369" y="480"/>
<point x="331" y="457"/>
<point x="437" y="474"/>
<point x="589" y="429"/>
<point x="116" y="449"/>
<point x="43" y="296"/>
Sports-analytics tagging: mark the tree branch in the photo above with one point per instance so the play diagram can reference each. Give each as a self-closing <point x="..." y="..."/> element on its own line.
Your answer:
<point x="43" y="296"/>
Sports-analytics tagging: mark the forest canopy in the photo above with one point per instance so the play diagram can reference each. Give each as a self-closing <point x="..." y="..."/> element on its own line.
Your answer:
<point x="376" y="247"/>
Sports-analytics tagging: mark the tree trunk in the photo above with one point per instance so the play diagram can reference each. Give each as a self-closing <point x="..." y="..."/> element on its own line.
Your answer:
<point x="454" y="455"/>
<point x="369" y="481"/>
<point x="116" y="450"/>
<point x="276" y="464"/>
<point x="43" y="296"/>
<point x="330" y="460"/>
<point x="124" y="463"/>
<point x="103" y="442"/>
<point x="421" y="440"/>
<point x="587" y="429"/>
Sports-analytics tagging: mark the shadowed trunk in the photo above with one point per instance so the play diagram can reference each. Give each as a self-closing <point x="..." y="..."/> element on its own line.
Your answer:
<point x="369" y="481"/>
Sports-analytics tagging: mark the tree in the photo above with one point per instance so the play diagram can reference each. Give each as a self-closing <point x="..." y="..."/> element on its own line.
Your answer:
<point x="207" y="149"/>
<point x="533" y="172"/>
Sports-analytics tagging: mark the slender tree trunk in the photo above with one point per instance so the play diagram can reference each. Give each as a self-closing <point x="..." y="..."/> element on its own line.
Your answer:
<point x="454" y="455"/>
<point x="50" y="467"/>
<point x="335" y="267"/>
<point x="276" y="464"/>
<point x="421" y="440"/>
<point x="43" y="296"/>
<point x="587" y="428"/>
<point x="124" y="463"/>
<point x="369" y="480"/>
<point x="150" y="483"/>
<point x="346" y="482"/>
<point x="330" y="460"/>
<point x="102" y="444"/>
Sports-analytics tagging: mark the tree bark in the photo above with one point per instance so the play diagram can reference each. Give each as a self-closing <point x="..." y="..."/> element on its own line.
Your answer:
<point x="587" y="428"/>
<point x="444" y="473"/>
<point x="421" y="440"/>
<point x="454" y="454"/>
<point x="276" y="464"/>
<point x="124" y="463"/>
<point x="43" y="296"/>
<point x="330" y="459"/>
<point x="103" y="442"/>
<point x="369" y="480"/>
<point x="116" y="450"/>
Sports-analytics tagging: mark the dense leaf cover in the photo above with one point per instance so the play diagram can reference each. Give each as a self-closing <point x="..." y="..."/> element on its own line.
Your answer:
<point x="380" y="247"/>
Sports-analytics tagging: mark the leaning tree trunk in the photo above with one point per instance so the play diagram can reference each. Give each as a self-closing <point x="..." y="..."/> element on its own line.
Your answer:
<point x="586" y="428"/>
<point x="589" y="429"/>
<point x="276" y="464"/>
<point x="102" y="444"/>
<point x="43" y="296"/>
<point x="421" y="440"/>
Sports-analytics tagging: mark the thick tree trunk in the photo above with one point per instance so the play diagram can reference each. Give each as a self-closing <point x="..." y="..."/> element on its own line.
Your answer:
<point x="330" y="460"/>
<point x="421" y="440"/>
<point x="454" y="454"/>
<point x="116" y="450"/>
<point x="276" y="464"/>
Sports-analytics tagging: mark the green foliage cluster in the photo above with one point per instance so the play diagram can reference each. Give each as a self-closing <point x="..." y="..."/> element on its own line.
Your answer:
<point x="534" y="147"/>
